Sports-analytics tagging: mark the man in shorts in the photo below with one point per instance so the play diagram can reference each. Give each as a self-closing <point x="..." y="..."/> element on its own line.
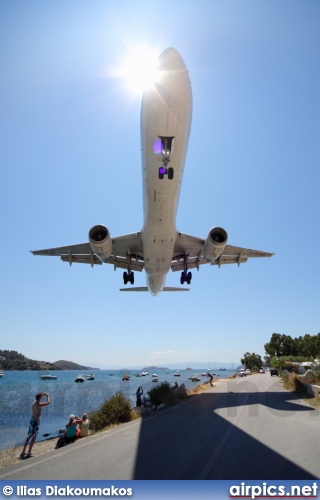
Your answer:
<point x="34" y="423"/>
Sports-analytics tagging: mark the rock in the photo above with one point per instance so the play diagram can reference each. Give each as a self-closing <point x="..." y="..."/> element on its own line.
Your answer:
<point x="161" y="406"/>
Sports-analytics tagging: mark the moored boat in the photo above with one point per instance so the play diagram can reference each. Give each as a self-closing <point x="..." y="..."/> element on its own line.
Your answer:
<point x="48" y="377"/>
<point x="80" y="378"/>
<point x="90" y="376"/>
<point x="154" y="377"/>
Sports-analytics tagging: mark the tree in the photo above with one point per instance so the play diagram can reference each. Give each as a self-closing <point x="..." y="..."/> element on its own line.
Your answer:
<point x="282" y="345"/>
<point x="252" y="361"/>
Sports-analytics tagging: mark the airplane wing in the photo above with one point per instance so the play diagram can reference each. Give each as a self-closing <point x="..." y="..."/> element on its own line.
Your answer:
<point x="127" y="247"/>
<point x="191" y="247"/>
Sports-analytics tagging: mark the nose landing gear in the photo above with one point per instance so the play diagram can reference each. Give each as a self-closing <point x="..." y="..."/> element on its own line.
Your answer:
<point x="166" y="171"/>
<point x="167" y="148"/>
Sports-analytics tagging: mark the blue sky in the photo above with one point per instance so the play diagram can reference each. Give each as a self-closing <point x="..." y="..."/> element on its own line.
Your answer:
<point x="70" y="159"/>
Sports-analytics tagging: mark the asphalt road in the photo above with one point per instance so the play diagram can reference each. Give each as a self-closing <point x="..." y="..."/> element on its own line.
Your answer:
<point x="241" y="429"/>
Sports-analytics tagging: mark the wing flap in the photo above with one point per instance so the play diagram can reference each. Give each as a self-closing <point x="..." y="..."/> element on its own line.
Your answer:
<point x="191" y="248"/>
<point x="123" y="247"/>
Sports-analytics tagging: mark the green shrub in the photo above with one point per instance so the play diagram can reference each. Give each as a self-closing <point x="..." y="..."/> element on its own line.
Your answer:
<point x="162" y="394"/>
<point x="113" y="411"/>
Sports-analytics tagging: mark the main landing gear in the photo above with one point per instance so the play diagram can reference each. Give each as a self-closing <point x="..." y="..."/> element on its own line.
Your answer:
<point x="128" y="277"/>
<point x="185" y="275"/>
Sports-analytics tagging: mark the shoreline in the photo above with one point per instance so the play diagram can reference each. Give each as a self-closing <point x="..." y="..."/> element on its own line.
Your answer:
<point x="11" y="455"/>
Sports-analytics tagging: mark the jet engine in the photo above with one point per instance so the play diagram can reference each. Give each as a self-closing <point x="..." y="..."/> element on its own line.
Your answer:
<point x="215" y="243"/>
<point x="101" y="242"/>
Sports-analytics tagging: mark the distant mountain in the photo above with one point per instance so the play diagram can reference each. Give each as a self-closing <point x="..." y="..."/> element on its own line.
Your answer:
<point x="69" y="365"/>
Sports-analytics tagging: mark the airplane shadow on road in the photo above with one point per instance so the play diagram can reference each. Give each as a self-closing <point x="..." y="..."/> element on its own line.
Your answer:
<point x="201" y="438"/>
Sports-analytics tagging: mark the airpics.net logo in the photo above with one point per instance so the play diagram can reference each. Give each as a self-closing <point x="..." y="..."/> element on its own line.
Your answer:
<point x="265" y="490"/>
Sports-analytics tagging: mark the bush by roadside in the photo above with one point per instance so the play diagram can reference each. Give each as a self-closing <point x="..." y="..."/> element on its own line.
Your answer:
<point x="162" y="394"/>
<point x="115" y="410"/>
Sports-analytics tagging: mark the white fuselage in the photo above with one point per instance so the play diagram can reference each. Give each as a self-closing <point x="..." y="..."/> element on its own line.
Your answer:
<point x="166" y="112"/>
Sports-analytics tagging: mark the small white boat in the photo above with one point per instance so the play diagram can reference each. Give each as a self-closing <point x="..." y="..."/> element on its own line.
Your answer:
<point x="204" y="374"/>
<point x="144" y="374"/>
<point x="195" y="378"/>
<point x="154" y="377"/>
<point x="90" y="376"/>
<point x="48" y="377"/>
<point x="1" y="373"/>
<point x="126" y="377"/>
<point x="80" y="378"/>
<point x="177" y="374"/>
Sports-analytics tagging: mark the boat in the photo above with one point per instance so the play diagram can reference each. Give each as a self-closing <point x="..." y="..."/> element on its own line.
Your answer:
<point x="195" y="378"/>
<point x="177" y="374"/>
<point x="79" y="378"/>
<point x="1" y="373"/>
<point x="48" y="377"/>
<point x="126" y="377"/>
<point x="204" y="374"/>
<point x="144" y="374"/>
<point x="154" y="377"/>
<point x="90" y="376"/>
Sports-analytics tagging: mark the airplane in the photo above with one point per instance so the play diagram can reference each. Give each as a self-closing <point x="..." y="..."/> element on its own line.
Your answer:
<point x="166" y="112"/>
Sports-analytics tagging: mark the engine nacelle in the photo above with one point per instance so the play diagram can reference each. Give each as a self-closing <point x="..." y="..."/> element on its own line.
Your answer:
<point x="215" y="243"/>
<point x="101" y="242"/>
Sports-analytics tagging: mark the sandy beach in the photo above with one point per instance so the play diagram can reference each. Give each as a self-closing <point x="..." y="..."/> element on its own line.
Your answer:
<point x="12" y="455"/>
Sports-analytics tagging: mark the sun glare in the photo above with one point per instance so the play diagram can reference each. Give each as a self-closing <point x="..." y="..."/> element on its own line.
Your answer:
<point x="140" y="70"/>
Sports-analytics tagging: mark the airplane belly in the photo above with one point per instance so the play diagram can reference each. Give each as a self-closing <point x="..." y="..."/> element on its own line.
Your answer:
<point x="165" y="116"/>
<point x="165" y="113"/>
<point x="158" y="250"/>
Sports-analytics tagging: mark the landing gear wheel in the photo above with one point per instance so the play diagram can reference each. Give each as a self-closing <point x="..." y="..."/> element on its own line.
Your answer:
<point x="189" y="278"/>
<point x="125" y="277"/>
<point x="183" y="277"/>
<point x="161" y="173"/>
<point x="170" y="173"/>
<point x="131" y="279"/>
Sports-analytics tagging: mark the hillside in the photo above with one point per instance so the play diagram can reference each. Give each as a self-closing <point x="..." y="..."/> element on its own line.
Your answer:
<point x="69" y="365"/>
<point x="13" y="360"/>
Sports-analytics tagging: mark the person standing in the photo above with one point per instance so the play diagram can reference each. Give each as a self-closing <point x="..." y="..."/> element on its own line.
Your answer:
<point x="34" y="423"/>
<point x="139" y="394"/>
<point x="210" y="377"/>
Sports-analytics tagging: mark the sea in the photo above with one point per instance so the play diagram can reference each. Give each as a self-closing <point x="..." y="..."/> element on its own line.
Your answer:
<point x="18" y="390"/>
